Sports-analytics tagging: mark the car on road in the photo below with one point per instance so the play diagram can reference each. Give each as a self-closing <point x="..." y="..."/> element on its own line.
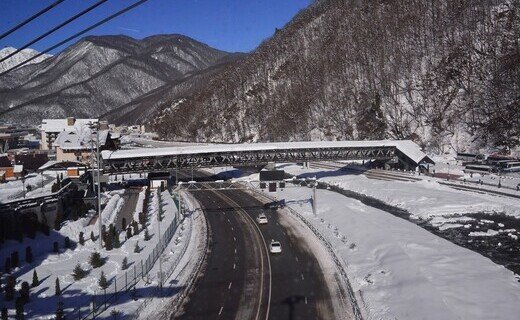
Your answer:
<point x="275" y="247"/>
<point x="261" y="219"/>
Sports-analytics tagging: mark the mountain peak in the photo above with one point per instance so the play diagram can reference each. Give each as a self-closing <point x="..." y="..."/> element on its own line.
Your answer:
<point x="19" y="57"/>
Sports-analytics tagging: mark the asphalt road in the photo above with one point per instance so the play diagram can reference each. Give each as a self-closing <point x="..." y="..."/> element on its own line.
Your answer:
<point x="243" y="281"/>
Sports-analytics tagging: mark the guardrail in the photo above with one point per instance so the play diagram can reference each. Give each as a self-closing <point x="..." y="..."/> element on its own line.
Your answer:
<point x="355" y="307"/>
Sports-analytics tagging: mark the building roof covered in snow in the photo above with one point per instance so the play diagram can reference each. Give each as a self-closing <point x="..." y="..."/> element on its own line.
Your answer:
<point x="80" y="140"/>
<point x="66" y="124"/>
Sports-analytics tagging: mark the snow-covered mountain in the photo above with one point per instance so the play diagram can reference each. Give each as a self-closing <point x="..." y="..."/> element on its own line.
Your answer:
<point x="443" y="73"/>
<point x="19" y="57"/>
<point x="101" y="74"/>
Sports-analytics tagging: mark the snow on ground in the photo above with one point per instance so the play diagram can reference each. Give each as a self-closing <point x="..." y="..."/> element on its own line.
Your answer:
<point x="401" y="271"/>
<point x="181" y="258"/>
<point x="14" y="189"/>
<point x="49" y="265"/>
<point x="424" y="199"/>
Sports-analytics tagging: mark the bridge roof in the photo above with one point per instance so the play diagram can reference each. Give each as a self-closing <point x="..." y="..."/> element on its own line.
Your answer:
<point x="407" y="147"/>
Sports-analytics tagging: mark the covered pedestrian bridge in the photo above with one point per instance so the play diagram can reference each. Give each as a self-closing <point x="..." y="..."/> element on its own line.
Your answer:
<point x="217" y="155"/>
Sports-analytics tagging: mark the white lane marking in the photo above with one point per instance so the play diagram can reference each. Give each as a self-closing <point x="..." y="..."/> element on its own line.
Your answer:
<point x="232" y="229"/>
<point x="305" y="299"/>
<point x="302" y="277"/>
<point x="220" y="312"/>
<point x="235" y="250"/>
<point x="234" y="266"/>
<point x="297" y="259"/>
<point x="228" y="221"/>
<point x="229" y="287"/>
<point x="234" y="239"/>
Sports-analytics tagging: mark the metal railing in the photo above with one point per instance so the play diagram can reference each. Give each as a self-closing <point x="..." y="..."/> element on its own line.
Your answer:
<point x="102" y="299"/>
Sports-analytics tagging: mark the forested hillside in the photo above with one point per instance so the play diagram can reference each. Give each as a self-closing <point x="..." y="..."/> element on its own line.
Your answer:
<point x="445" y="73"/>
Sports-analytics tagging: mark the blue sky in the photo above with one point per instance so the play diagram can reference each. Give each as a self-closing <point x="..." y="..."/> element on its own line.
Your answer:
<point x="231" y="25"/>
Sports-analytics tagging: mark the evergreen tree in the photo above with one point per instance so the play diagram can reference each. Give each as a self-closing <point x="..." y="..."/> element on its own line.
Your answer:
<point x="135" y="226"/>
<point x="109" y="241"/>
<point x="66" y="243"/>
<point x="117" y="242"/>
<point x="55" y="247"/>
<point x="57" y="288"/>
<point x="60" y="315"/>
<point x="103" y="283"/>
<point x="142" y="218"/>
<point x="136" y="248"/>
<point x="95" y="260"/>
<point x="24" y="292"/>
<point x="28" y="254"/>
<point x="15" y="260"/>
<point x="124" y="264"/>
<point x="7" y="265"/>
<point x="146" y="235"/>
<point x="78" y="273"/>
<point x="18" y="305"/>
<point x="92" y="237"/>
<point x="9" y="288"/>
<point x="81" y="240"/>
<point x="123" y="224"/>
<point x="128" y="232"/>
<point x="4" y="313"/>
<point x="35" y="280"/>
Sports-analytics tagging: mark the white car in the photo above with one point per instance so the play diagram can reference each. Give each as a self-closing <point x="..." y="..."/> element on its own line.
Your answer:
<point x="275" y="247"/>
<point x="261" y="219"/>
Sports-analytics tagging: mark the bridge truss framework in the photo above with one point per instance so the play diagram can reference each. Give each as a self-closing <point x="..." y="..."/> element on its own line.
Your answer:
<point x="156" y="163"/>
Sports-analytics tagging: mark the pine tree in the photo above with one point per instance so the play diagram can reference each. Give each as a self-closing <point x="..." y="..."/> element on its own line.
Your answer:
<point x="19" y="315"/>
<point x="15" y="260"/>
<point x="9" y="288"/>
<point x="142" y="218"/>
<point x="28" y="254"/>
<point x="146" y="235"/>
<point x="92" y="237"/>
<point x="55" y="247"/>
<point x="123" y="224"/>
<point x="35" y="280"/>
<point x="135" y="226"/>
<point x="124" y="264"/>
<point x="128" y="232"/>
<point x="136" y="248"/>
<point x="60" y="315"/>
<point x="57" y="288"/>
<point x="66" y="243"/>
<point x="24" y="292"/>
<point x="117" y="242"/>
<point x="103" y="283"/>
<point x="95" y="260"/>
<point x="7" y="265"/>
<point x="109" y="241"/>
<point x="78" y="273"/>
<point x="81" y="240"/>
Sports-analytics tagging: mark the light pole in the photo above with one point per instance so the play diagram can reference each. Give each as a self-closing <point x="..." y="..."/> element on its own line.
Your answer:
<point x="160" y="248"/>
<point x="98" y="166"/>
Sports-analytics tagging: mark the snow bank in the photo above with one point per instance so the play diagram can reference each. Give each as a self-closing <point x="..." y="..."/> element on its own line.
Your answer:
<point x="401" y="271"/>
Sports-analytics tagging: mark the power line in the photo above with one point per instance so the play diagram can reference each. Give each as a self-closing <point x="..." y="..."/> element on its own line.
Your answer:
<point x="36" y="15"/>
<point x="61" y="25"/>
<point x="76" y="35"/>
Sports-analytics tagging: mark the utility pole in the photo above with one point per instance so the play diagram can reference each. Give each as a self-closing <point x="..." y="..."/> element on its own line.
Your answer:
<point x="99" y="187"/>
<point x="314" y="202"/>
<point x="160" y="249"/>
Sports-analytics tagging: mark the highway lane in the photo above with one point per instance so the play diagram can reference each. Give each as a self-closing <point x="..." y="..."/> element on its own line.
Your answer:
<point x="235" y="282"/>
<point x="298" y="290"/>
